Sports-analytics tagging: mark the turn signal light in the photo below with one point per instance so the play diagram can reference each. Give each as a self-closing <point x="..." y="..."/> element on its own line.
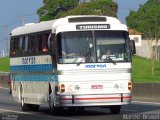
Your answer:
<point x="129" y="85"/>
<point x="62" y="88"/>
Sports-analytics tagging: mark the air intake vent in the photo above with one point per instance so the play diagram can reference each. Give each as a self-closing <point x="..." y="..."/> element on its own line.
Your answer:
<point x="87" y="19"/>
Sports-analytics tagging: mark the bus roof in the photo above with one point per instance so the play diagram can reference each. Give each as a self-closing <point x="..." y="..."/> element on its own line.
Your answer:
<point x="86" y="19"/>
<point x="33" y="28"/>
<point x="53" y="24"/>
<point x="87" y="22"/>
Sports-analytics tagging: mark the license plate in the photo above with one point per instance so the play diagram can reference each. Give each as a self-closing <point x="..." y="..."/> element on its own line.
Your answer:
<point x="96" y="86"/>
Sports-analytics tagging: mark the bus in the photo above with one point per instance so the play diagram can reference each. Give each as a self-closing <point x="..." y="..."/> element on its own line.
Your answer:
<point x="72" y="62"/>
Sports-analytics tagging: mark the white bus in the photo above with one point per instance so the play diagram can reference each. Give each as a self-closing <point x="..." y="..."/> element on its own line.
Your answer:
<point x="73" y="62"/>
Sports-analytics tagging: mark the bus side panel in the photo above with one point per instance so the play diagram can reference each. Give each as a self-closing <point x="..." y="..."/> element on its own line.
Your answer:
<point x="31" y="81"/>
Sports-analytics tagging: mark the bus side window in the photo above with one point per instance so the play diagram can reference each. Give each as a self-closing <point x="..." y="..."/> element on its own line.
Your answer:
<point x="36" y="43"/>
<point x="23" y="45"/>
<point x="15" y="46"/>
<point x="44" y="45"/>
<point x="31" y="44"/>
<point x="20" y="45"/>
<point x="26" y="44"/>
<point x="39" y="39"/>
<point x="12" y="52"/>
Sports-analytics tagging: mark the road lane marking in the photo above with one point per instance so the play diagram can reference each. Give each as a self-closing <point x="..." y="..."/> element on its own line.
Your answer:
<point x="129" y="110"/>
<point x="6" y="110"/>
<point x="3" y="87"/>
<point x="153" y="103"/>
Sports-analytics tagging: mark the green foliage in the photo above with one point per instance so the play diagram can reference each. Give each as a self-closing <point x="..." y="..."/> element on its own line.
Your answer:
<point x="4" y="64"/>
<point x="141" y="70"/>
<point x="52" y="7"/>
<point x="96" y="7"/>
<point x="146" y="19"/>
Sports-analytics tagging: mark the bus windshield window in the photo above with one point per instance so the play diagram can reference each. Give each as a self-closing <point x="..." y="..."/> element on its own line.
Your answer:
<point x="75" y="47"/>
<point x="112" y="45"/>
<point x="93" y="46"/>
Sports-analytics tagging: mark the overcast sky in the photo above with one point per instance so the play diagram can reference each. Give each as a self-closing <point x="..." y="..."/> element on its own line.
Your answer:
<point x="14" y="12"/>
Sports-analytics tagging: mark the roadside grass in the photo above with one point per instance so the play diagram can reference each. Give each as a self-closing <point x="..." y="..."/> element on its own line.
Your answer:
<point x="141" y="70"/>
<point x="4" y="64"/>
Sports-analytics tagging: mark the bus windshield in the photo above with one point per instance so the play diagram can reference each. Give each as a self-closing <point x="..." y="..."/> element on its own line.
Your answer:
<point x="93" y="47"/>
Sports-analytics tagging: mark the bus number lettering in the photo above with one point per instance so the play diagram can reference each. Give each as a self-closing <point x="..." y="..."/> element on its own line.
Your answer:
<point x="28" y="60"/>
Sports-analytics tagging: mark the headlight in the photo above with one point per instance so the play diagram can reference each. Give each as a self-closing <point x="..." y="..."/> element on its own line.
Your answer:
<point x="72" y="88"/>
<point x="120" y="86"/>
<point x="77" y="87"/>
<point x="116" y="86"/>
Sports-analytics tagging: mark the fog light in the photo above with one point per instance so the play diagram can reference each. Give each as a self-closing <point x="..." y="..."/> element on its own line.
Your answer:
<point x="62" y="90"/>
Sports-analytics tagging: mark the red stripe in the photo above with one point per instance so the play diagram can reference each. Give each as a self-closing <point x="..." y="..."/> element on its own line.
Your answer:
<point x="101" y="98"/>
<point x="128" y="97"/>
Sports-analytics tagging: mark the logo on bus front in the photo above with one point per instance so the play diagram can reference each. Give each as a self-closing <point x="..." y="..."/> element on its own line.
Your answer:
<point x="96" y="66"/>
<point x="92" y="26"/>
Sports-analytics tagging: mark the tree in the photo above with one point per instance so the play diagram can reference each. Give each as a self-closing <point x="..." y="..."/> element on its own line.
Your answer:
<point x="52" y="7"/>
<point x="59" y="8"/>
<point x="146" y="20"/>
<point x="96" y="7"/>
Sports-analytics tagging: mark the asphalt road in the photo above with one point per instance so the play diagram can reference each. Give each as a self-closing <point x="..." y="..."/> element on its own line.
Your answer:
<point x="10" y="110"/>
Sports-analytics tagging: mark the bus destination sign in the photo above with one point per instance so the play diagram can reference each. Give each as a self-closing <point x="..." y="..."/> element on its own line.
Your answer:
<point x="92" y="26"/>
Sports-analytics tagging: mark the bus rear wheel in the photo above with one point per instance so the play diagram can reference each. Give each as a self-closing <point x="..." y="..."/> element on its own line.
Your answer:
<point x="115" y="109"/>
<point x="34" y="107"/>
<point x="24" y="106"/>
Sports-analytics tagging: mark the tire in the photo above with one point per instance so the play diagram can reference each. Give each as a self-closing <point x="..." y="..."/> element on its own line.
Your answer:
<point x="27" y="107"/>
<point x="52" y="108"/>
<point x="24" y="106"/>
<point x="10" y="90"/>
<point x="80" y="109"/>
<point x="35" y="108"/>
<point x="55" y="110"/>
<point x="115" y="109"/>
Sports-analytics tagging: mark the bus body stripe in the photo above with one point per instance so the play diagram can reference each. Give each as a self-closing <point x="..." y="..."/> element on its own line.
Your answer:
<point x="100" y="98"/>
<point x="36" y="78"/>
<point x="32" y="68"/>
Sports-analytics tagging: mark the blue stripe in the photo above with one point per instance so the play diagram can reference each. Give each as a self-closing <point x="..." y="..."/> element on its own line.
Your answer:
<point x="32" y="68"/>
<point x="37" y="78"/>
<point x="23" y="73"/>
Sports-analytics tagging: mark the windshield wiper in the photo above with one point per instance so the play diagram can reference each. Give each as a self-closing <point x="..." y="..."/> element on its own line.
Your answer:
<point x="110" y="59"/>
<point x="82" y="58"/>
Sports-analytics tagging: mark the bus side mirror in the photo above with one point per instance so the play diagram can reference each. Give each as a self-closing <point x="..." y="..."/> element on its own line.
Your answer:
<point x="133" y="47"/>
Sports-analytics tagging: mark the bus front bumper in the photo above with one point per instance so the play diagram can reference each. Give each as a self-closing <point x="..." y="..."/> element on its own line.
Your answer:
<point x="94" y="100"/>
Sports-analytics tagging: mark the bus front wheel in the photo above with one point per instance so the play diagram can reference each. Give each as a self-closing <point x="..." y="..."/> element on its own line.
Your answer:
<point x="52" y="108"/>
<point x="115" y="109"/>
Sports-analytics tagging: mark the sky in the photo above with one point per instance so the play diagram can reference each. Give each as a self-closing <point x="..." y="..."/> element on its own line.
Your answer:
<point x="16" y="12"/>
